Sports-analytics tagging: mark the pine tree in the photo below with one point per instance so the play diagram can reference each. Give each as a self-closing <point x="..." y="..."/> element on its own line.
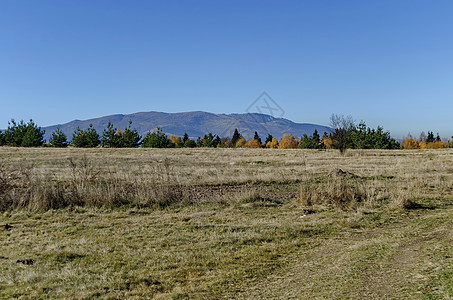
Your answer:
<point x="130" y="138"/>
<point x="88" y="138"/>
<point x="111" y="138"/>
<point x="185" y="138"/>
<point x="58" y="139"/>
<point x="268" y="139"/>
<point x="257" y="137"/>
<point x="430" y="137"/>
<point x="23" y="135"/>
<point x="438" y="137"/>
<point x="190" y="144"/>
<point x="92" y="137"/>
<point x="156" y="139"/>
<point x="236" y="137"/>
<point x="34" y="136"/>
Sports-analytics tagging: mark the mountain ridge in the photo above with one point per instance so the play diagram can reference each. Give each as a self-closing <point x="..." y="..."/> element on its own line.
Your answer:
<point x="195" y="123"/>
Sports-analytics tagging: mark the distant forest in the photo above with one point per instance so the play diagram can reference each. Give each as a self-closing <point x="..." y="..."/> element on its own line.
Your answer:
<point x="346" y="135"/>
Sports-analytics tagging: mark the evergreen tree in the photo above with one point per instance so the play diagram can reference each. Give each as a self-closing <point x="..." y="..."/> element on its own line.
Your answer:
<point x="257" y="138"/>
<point x="2" y="138"/>
<point x="111" y="138"/>
<point x="92" y="137"/>
<point x="430" y="137"/>
<point x="58" y="138"/>
<point x="236" y="136"/>
<point x="268" y="139"/>
<point x="438" y="137"/>
<point x="210" y="140"/>
<point x="79" y="138"/>
<point x="316" y="138"/>
<point x="190" y="144"/>
<point x="85" y="138"/>
<point x="34" y="136"/>
<point x="217" y="141"/>
<point x="130" y="137"/>
<point x="185" y="138"/>
<point x="23" y="135"/>
<point x="15" y="133"/>
<point x="312" y="142"/>
<point x="156" y="139"/>
<point x="199" y="142"/>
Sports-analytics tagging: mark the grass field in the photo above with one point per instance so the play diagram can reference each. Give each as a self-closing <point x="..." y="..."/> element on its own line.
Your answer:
<point x="226" y="223"/>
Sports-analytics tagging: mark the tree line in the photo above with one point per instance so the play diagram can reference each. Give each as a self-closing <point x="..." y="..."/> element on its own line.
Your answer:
<point x="426" y="142"/>
<point x="346" y="135"/>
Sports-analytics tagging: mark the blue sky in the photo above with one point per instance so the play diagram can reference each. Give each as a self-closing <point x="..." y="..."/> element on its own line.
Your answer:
<point x="389" y="63"/>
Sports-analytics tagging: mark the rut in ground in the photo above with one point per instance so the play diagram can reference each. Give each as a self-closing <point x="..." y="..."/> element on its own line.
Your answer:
<point x="400" y="260"/>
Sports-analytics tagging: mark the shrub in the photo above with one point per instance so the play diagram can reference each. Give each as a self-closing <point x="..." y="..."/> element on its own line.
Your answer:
<point x="58" y="139"/>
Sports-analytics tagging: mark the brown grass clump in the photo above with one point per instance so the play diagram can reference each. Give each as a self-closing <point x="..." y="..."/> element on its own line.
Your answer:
<point x="339" y="192"/>
<point x="344" y="190"/>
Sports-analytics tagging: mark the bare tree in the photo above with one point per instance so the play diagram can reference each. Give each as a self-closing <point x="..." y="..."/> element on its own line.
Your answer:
<point x="341" y="121"/>
<point x="343" y="125"/>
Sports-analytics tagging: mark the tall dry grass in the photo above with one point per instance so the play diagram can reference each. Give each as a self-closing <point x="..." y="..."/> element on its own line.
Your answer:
<point x="347" y="191"/>
<point x="88" y="185"/>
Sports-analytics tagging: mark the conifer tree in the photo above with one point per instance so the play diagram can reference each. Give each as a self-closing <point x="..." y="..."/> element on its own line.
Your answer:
<point x="236" y="136"/>
<point x="58" y="139"/>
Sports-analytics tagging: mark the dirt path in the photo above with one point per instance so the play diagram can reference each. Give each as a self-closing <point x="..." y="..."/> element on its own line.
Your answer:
<point x="408" y="259"/>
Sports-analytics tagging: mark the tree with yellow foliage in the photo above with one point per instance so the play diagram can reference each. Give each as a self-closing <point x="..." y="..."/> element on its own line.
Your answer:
<point x="176" y="141"/>
<point x="253" y="143"/>
<point x="287" y="142"/>
<point x="241" y="142"/>
<point x="410" y="143"/>
<point x="327" y="142"/>
<point x="435" y="145"/>
<point x="272" y="144"/>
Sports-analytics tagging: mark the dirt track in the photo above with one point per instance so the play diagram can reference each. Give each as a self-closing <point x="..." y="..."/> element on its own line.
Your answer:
<point x="405" y="259"/>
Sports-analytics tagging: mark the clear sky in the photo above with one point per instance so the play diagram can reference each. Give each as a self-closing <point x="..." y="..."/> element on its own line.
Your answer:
<point x="389" y="63"/>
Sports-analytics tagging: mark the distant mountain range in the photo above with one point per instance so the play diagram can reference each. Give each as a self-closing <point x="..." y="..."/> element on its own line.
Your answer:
<point x="196" y="124"/>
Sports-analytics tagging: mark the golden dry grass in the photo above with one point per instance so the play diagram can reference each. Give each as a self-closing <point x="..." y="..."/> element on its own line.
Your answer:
<point x="242" y="223"/>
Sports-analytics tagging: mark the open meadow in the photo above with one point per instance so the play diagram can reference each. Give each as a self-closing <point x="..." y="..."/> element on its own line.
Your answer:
<point x="225" y="223"/>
